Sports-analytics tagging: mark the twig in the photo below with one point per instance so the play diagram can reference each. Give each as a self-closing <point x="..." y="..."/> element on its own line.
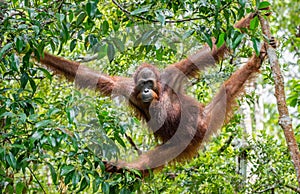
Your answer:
<point x="226" y="144"/>
<point x="133" y="144"/>
<point x="37" y="180"/>
<point x="284" y="118"/>
<point x="272" y="188"/>
<point x="296" y="189"/>
<point x="17" y="78"/>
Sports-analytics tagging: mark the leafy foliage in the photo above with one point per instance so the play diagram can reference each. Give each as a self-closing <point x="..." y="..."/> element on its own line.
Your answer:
<point x="54" y="138"/>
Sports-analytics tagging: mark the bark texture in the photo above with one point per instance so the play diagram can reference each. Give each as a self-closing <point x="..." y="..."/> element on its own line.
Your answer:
<point x="284" y="119"/>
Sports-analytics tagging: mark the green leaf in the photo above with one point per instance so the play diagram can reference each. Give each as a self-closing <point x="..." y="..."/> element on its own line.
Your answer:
<point x="105" y="187"/>
<point x="11" y="160"/>
<point x="14" y="62"/>
<point x="53" y="173"/>
<point x="19" y="44"/>
<point x="254" y="23"/>
<point x="146" y="38"/>
<point x="102" y="51"/>
<point x="80" y="18"/>
<point x="36" y="29"/>
<point x="263" y="5"/>
<point x="242" y="3"/>
<point x="84" y="183"/>
<point x="221" y="40"/>
<point x="19" y="187"/>
<point x="32" y="85"/>
<point x="5" y="48"/>
<point x="255" y="42"/>
<point x="160" y="17"/>
<point x="22" y="27"/>
<point x="76" y="178"/>
<point x="24" y="80"/>
<point x="66" y="169"/>
<point x="42" y="123"/>
<point x="69" y="177"/>
<point x="237" y="40"/>
<point x="119" y="44"/>
<point x="110" y="52"/>
<point x="96" y="183"/>
<point x="207" y="39"/>
<point x="116" y="25"/>
<point x="104" y="27"/>
<point x="91" y="9"/>
<point x="119" y="140"/>
<point x="70" y="115"/>
<point x="71" y="15"/>
<point x="141" y="10"/>
<point x="73" y="44"/>
<point x="36" y="136"/>
<point x="7" y="114"/>
<point x="46" y="73"/>
<point x="187" y="34"/>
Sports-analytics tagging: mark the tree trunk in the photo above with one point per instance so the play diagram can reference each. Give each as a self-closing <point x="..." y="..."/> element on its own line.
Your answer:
<point x="284" y="118"/>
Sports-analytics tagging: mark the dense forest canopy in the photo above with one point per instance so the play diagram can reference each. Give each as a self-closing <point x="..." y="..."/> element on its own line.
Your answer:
<point x="55" y="136"/>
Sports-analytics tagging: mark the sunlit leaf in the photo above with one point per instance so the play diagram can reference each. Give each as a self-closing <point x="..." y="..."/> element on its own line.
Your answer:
<point x="84" y="183"/>
<point x="221" y="40"/>
<point x="119" y="44"/>
<point x="110" y="52"/>
<point x="207" y="39"/>
<point x="76" y="178"/>
<point x="11" y="160"/>
<point x="141" y="10"/>
<point x="187" y="34"/>
<point x="73" y="44"/>
<point x="254" y="23"/>
<point x="19" y="187"/>
<point x="160" y="17"/>
<point x="104" y="27"/>
<point x="105" y="188"/>
<point x="24" y="80"/>
<point x="237" y="41"/>
<point x="116" y="25"/>
<point x="53" y="173"/>
<point x="91" y="9"/>
<point x="19" y="44"/>
<point x="5" y="48"/>
<point x="256" y="42"/>
<point x="42" y="123"/>
<point x="263" y="5"/>
<point x="96" y="183"/>
<point x="66" y="169"/>
<point x="80" y="18"/>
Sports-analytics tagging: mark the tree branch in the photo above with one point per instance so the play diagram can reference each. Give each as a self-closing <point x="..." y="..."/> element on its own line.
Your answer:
<point x="284" y="118"/>
<point x="133" y="144"/>
<point x="37" y="180"/>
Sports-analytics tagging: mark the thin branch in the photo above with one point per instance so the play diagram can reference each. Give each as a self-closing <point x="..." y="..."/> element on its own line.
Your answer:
<point x="37" y="180"/>
<point x="296" y="189"/>
<point x="272" y="188"/>
<point x="226" y="144"/>
<point x="17" y="78"/>
<point x="133" y="144"/>
<point x="284" y="119"/>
